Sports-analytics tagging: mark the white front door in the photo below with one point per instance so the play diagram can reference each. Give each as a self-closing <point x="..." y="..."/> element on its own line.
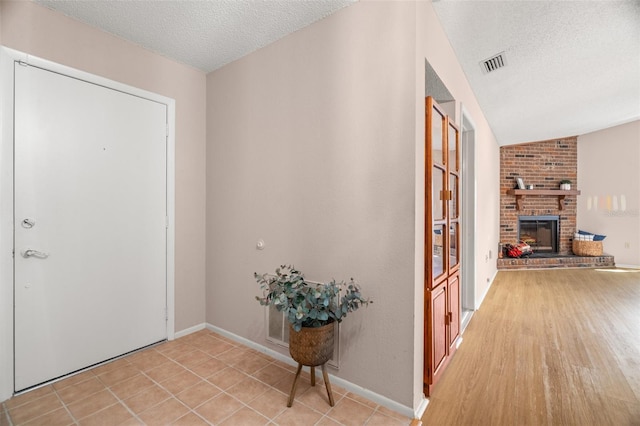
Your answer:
<point x="90" y="216"/>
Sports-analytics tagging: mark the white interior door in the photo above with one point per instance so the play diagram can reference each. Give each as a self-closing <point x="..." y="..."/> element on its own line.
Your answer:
<point x="90" y="218"/>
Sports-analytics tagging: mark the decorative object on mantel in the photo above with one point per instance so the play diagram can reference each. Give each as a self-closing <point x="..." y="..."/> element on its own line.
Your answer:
<point x="560" y="193"/>
<point x="312" y="310"/>
<point x="565" y="184"/>
<point x="520" y="183"/>
<point x="529" y="186"/>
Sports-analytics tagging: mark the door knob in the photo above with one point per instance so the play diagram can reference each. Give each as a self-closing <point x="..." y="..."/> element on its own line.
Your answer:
<point x="34" y="253"/>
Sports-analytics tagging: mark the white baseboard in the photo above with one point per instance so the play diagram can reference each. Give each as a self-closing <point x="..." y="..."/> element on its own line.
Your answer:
<point x="618" y="265"/>
<point x="487" y="290"/>
<point x="351" y="387"/>
<point x="189" y="330"/>
<point x="419" y="412"/>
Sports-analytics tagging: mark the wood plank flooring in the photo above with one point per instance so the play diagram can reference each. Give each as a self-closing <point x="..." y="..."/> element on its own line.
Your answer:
<point x="549" y="347"/>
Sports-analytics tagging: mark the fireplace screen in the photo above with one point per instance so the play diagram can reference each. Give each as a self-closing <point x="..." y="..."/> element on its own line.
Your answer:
<point x="540" y="232"/>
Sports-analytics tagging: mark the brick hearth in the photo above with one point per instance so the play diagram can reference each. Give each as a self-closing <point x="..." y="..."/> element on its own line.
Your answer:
<point x="604" y="261"/>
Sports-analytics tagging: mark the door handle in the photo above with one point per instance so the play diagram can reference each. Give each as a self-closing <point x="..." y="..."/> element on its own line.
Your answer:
<point x="34" y="253"/>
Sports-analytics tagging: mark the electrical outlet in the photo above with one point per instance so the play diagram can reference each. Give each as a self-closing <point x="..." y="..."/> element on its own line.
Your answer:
<point x="490" y="254"/>
<point x="627" y="244"/>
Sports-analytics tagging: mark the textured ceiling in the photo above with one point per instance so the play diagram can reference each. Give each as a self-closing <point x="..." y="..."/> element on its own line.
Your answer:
<point x="573" y="67"/>
<point x="205" y="34"/>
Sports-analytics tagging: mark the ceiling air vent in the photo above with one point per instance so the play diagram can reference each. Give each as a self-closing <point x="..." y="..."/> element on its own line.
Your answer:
<point x="493" y="63"/>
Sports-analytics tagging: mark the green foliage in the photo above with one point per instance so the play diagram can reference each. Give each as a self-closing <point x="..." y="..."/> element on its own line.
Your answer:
<point x="308" y="304"/>
<point x="565" y="181"/>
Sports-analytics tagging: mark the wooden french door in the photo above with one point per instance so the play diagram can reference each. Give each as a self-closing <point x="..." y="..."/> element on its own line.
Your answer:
<point x="442" y="241"/>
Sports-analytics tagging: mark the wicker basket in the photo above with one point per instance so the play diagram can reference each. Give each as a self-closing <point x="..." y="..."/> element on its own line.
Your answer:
<point x="587" y="248"/>
<point x="311" y="346"/>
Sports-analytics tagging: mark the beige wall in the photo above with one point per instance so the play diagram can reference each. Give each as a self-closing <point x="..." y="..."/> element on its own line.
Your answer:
<point x="33" y="29"/>
<point x="311" y="147"/>
<point x="315" y="144"/>
<point x="608" y="169"/>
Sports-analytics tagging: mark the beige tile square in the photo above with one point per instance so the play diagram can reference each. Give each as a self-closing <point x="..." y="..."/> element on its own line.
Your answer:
<point x="118" y="375"/>
<point x="190" y="419"/>
<point x="216" y="347"/>
<point x="298" y="414"/>
<point x="196" y="395"/>
<point x="209" y="368"/>
<point x="245" y="417"/>
<point x="247" y="389"/>
<point x="191" y="359"/>
<point x="164" y="413"/>
<point x="194" y="338"/>
<point x="27" y="397"/>
<point x="92" y="404"/>
<point x="327" y="421"/>
<point x="350" y="412"/>
<point x="80" y="390"/>
<point x="379" y="419"/>
<point x="132" y="386"/>
<point x="393" y="414"/>
<point x="146" y="399"/>
<point x="286" y="366"/>
<point x="219" y="408"/>
<point x="73" y="380"/>
<point x="180" y="382"/>
<point x="148" y="359"/>
<point x="165" y="371"/>
<point x="227" y="378"/>
<point x="110" y="416"/>
<point x="316" y="398"/>
<point x="270" y="404"/>
<point x="286" y="383"/>
<point x="361" y="400"/>
<point x="271" y="374"/>
<point x="174" y="348"/>
<point x="110" y="366"/>
<point x="35" y="408"/>
<point x="250" y="363"/>
<point x="59" y="417"/>
<point x="232" y="355"/>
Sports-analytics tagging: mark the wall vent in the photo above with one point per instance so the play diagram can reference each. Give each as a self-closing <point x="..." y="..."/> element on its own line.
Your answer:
<point x="493" y="63"/>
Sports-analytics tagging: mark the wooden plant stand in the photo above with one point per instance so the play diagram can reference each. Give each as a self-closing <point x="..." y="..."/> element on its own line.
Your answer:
<point x="327" y="384"/>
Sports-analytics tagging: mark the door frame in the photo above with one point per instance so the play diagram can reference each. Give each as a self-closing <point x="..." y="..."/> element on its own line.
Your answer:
<point x="469" y="201"/>
<point x="7" y="59"/>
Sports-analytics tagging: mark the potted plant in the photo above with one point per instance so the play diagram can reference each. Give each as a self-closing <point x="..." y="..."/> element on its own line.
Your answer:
<point x="565" y="184"/>
<point x="311" y="309"/>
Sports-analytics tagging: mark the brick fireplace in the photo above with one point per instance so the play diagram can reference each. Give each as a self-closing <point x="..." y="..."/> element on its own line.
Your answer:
<point x="543" y="165"/>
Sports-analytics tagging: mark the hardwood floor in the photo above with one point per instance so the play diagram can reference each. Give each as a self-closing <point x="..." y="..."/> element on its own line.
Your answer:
<point x="550" y="347"/>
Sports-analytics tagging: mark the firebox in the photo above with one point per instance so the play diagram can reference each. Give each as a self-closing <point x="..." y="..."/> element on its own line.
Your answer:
<point x="540" y="232"/>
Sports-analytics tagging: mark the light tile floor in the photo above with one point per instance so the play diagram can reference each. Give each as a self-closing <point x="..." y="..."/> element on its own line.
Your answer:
<point x="199" y="379"/>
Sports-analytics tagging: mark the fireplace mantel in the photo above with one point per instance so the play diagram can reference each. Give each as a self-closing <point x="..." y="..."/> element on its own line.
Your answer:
<point x="560" y="193"/>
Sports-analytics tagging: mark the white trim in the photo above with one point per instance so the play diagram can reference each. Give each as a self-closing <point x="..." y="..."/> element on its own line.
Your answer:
<point x="618" y="265"/>
<point x="419" y="411"/>
<point x="351" y="387"/>
<point x="488" y="288"/>
<point x="6" y="224"/>
<point x="190" y="330"/>
<point x="469" y="216"/>
<point x="7" y="59"/>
